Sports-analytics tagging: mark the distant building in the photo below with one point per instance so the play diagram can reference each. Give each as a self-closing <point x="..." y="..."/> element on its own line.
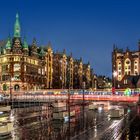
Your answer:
<point x="126" y="67"/>
<point x="103" y="82"/>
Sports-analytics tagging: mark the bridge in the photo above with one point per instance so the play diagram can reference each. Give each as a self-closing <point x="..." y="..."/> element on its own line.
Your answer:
<point x="49" y="98"/>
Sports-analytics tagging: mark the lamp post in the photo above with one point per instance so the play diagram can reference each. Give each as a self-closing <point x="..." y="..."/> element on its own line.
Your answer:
<point x="11" y="79"/>
<point x="84" y="85"/>
<point x="114" y="78"/>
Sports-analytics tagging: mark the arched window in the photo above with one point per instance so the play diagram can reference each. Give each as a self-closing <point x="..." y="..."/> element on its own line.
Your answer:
<point x="136" y="67"/>
<point x="127" y="66"/>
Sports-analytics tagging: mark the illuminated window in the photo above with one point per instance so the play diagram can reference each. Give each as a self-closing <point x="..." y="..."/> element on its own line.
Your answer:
<point x="127" y="64"/>
<point x="119" y="78"/>
<point x="16" y="77"/>
<point x="43" y="72"/>
<point x="24" y="67"/>
<point x="45" y="69"/>
<point x="4" y="59"/>
<point x="39" y="71"/>
<point x="16" y="58"/>
<point x="28" y="60"/>
<point x="32" y="61"/>
<point x="125" y="81"/>
<point x="5" y="68"/>
<point x="16" y="67"/>
<point x="36" y="62"/>
<point x="25" y="59"/>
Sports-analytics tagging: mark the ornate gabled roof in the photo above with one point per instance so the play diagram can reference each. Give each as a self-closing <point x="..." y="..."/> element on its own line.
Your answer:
<point x="42" y="52"/>
<point x="25" y="45"/>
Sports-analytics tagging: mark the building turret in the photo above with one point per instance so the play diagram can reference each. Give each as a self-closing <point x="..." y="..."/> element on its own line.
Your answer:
<point x="25" y="47"/>
<point x="42" y="53"/>
<point x="8" y="44"/>
<point x="34" y="48"/>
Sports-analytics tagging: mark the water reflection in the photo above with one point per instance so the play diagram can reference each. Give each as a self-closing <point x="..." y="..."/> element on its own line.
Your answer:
<point x="37" y="123"/>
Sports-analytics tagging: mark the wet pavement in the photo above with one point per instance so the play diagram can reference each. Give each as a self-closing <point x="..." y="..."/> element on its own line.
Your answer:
<point x="37" y="123"/>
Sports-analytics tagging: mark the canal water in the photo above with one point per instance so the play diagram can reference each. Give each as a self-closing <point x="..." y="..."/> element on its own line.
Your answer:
<point x="37" y="123"/>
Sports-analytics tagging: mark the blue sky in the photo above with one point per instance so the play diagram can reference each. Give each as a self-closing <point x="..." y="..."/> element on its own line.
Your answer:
<point x="87" y="28"/>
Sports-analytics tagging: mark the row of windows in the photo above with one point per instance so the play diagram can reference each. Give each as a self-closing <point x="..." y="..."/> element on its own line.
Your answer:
<point x="31" y="61"/>
<point x="128" y="62"/>
<point x="127" y="67"/>
<point x="128" y="73"/>
<point x="18" y="58"/>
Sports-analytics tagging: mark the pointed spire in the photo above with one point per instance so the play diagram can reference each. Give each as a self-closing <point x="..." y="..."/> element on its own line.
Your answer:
<point x="8" y="44"/>
<point x="49" y="45"/>
<point x="25" y="45"/>
<point x="114" y="47"/>
<point x="17" y="27"/>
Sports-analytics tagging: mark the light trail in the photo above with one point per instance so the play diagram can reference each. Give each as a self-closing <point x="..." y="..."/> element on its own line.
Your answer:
<point x="43" y="98"/>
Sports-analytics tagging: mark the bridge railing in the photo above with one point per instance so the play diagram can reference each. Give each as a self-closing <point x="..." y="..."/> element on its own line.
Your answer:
<point x="106" y="98"/>
<point x="39" y="97"/>
<point x="45" y="97"/>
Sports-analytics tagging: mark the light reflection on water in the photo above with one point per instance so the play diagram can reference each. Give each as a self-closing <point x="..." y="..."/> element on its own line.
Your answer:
<point x="36" y="123"/>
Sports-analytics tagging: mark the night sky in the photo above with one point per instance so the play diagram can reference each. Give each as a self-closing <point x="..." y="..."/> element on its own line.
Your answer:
<point x="87" y="28"/>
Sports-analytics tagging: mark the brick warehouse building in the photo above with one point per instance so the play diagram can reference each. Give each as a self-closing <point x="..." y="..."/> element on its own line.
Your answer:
<point x="126" y="67"/>
<point x="31" y="67"/>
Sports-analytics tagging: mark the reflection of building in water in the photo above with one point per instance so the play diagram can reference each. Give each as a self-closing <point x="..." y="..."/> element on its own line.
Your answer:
<point x="30" y="67"/>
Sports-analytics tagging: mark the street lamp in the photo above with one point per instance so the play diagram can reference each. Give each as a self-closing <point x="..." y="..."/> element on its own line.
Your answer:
<point x="114" y="77"/>
<point x="83" y="86"/>
<point x="11" y="79"/>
